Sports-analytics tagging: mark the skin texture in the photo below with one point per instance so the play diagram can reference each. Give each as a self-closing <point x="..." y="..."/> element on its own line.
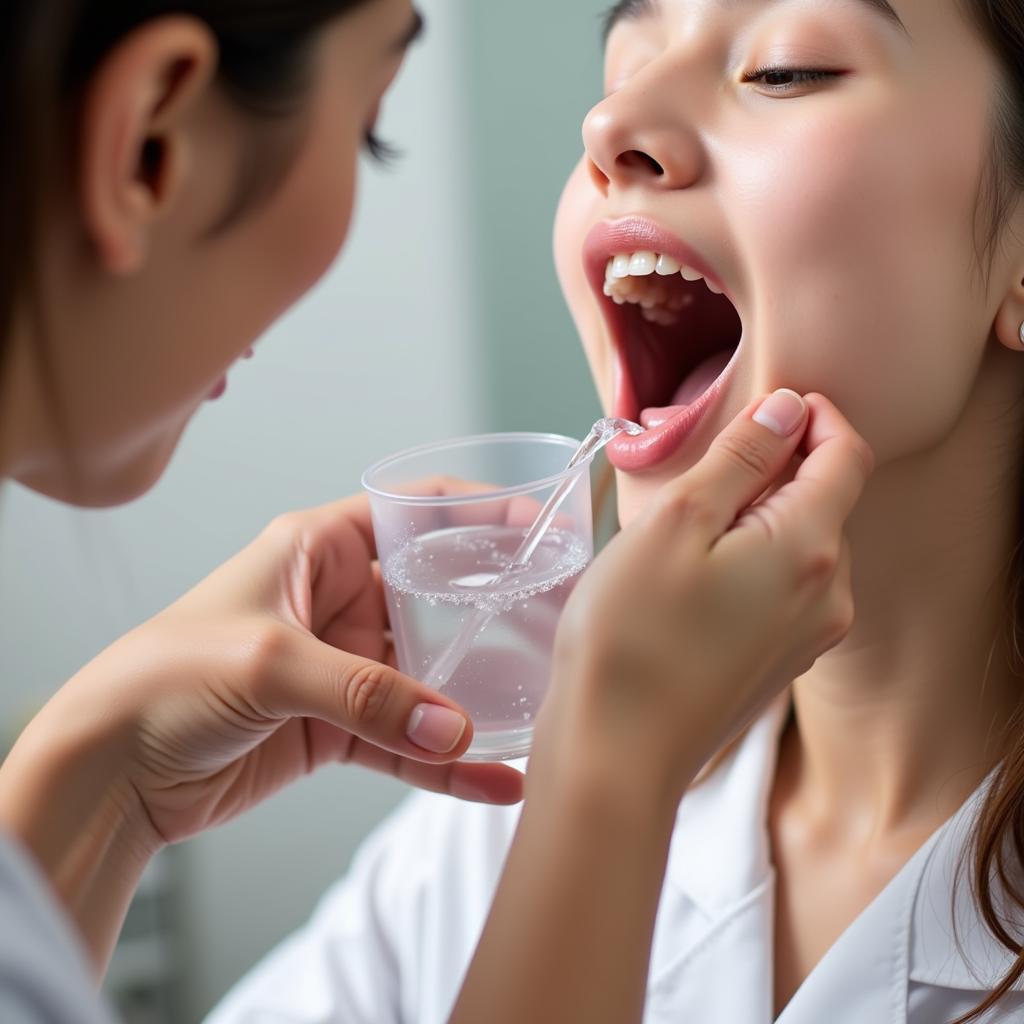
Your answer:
<point x="845" y="226"/>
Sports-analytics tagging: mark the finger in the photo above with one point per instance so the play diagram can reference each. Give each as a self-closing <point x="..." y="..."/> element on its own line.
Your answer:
<point x="814" y="506"/>
<point x="297" y="675"/>
<point x="839" y="461"/>
<point x="357" y="621"/>
<point x="314" y="524"/>
<point x="479" y="783"/>
<point x="742" y="462"/>
<point x="318" y="526"/>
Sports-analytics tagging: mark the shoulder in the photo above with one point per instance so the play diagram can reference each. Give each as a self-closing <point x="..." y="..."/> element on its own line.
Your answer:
<point x="392" y="939"/>
<point x="43" y="970"/>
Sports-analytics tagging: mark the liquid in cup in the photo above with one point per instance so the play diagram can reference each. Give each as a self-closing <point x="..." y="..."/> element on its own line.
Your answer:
<point x="440" y="580"/>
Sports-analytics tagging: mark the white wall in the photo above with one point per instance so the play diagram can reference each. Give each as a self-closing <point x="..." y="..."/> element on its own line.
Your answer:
<point x="350" y="376"/>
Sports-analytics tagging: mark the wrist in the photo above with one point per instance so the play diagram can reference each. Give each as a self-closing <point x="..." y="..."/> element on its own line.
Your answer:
<point x="591" y="748"/>
<point x="600" y="775"/>
<point x="65" y="797"/>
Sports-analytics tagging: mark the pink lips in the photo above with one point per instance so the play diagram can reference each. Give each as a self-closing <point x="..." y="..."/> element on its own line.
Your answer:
<point x="662" y="441"/>
<point x="669" y="427"/>
<point x="221" y="386"/>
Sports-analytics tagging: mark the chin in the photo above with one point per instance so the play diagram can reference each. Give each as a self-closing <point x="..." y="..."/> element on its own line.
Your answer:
<point x="93" y="484"/>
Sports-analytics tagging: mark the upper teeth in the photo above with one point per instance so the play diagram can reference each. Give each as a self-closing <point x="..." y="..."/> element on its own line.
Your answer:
<point x="634" y="278"/>
<point x="644" y="264"/>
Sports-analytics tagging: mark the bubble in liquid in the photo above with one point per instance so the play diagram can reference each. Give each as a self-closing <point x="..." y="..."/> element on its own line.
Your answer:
<point x="563" y="555"/>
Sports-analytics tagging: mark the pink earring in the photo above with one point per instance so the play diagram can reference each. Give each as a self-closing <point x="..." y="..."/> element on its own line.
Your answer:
<point x="1022" y="335"/>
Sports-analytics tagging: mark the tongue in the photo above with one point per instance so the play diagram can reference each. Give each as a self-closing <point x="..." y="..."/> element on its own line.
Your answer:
<point x="701" y="378"/>
<point x="696" y="383"/>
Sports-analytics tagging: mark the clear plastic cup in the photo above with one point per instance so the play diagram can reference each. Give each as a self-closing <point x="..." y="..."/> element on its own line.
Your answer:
<point x="449" y="519"/>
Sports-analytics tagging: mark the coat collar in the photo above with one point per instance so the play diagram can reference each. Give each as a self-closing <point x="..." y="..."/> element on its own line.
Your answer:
<point x="913" y="932"/>
<point x="950" y="946"/>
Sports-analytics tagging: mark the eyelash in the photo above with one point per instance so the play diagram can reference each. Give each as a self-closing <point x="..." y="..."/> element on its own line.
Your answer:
<point x="380" y="152"/>
<point x="803" y="76"/>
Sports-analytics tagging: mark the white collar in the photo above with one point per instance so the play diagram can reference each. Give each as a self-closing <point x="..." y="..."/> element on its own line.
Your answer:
<point x="721" y="856"/>
<point x="950" y="946"/>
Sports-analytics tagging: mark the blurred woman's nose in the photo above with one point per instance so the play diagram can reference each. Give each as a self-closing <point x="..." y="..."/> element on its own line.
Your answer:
<point x="633" y="141"/>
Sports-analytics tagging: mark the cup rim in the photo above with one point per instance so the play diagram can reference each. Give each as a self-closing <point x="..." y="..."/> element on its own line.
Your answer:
<point x="444" y="500"/>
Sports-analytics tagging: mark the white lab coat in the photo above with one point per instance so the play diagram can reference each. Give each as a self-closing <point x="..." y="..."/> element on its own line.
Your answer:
<point x="390" y="943"/>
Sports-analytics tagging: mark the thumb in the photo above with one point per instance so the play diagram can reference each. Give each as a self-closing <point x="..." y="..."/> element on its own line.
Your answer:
<point x="303" y="677"/>
<point x="745" y="459"/>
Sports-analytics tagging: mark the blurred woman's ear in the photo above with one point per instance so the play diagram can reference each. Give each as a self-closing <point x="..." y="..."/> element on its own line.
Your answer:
<point x="135" y="144"/>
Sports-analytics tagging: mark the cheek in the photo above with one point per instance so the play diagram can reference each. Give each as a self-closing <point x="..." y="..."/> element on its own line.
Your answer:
<point x="314" y="210"/>
<point x="865" y="295"/>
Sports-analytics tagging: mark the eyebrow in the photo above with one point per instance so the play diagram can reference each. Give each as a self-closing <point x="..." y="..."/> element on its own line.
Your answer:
<point x="633" y="10"/>
<point x="417" y="26"/>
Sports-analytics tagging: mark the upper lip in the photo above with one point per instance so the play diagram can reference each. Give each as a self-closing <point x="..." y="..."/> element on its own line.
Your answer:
<point x="640" y="234"/>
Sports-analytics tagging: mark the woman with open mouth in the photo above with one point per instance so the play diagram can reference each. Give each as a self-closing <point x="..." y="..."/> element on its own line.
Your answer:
<point x="822" y="195"/>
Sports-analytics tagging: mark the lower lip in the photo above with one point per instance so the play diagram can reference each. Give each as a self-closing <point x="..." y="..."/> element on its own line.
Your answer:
<point x="660" y="443"/>
<point x="218" y="389"/>
<point x="221" y="386"/>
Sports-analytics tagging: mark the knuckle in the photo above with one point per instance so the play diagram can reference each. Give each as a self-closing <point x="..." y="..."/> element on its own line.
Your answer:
<point x="840" y="619"/>
<point x="818" y="563"/>
<point x="266" y="651"/>
<point x="682" y="503"/>
<point x="865" y="456"/>
<point x="365" y="692"/>
<point x="745" y="453"/>
<point x="821" y="566"/>
<point x="284" y="529"/>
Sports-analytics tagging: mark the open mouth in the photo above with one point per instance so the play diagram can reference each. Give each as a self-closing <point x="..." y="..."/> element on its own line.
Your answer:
<point x="675" y="330"/>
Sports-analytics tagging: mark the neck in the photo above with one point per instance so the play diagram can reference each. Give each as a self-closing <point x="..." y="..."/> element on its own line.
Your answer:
<point x="901" y="722"/>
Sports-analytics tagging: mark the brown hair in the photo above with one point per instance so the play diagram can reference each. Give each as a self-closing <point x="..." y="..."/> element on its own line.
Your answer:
<point x="996" y="852"/>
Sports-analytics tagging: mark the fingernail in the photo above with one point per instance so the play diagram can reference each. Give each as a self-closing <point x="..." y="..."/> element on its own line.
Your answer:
<point x="781" y="413"/>
<point x="435" y="728"/>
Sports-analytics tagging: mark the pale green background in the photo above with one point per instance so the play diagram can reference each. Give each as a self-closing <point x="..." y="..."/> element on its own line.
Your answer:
<point x="532" y="70"/>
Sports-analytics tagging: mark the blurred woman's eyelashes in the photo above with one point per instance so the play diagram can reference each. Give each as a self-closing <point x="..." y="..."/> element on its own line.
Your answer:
<point x="381" y="152"/>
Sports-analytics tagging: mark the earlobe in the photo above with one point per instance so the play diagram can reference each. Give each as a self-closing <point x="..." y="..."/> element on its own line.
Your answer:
<point x="1009" y="326"/>
<point x="134" y="135"/>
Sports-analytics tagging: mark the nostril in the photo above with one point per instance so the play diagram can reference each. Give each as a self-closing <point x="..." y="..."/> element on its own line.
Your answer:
<point x="637" y="160"/>
<point x="598" y="177"/>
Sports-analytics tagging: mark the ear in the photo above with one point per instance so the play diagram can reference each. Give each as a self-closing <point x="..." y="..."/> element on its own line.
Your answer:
<point x="134" y="148"/>
<point x="1009" y="326"/>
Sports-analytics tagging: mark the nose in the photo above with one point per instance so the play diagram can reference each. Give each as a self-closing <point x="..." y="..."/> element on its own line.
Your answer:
<point x="632" y="140"/>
